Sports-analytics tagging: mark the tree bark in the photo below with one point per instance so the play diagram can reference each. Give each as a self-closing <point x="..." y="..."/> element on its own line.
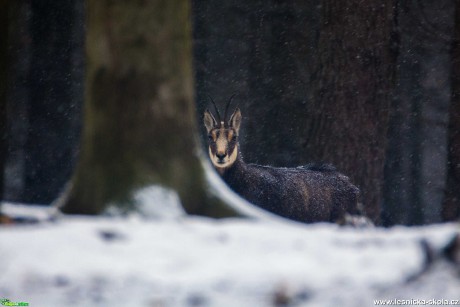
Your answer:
<point x="349" y="117"/>
<point x="140" y="126"/>
<point x="451" y="204"/>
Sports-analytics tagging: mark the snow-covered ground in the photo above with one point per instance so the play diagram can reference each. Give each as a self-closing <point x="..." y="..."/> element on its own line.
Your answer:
<point x="192" y="261"/>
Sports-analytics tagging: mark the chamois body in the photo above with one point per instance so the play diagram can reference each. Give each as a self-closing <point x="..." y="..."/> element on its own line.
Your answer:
<point x="312" y="193"/>
<point x="305" y="194"/>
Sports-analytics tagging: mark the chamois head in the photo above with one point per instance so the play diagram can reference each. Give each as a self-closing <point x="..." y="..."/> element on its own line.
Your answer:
<point x="222" y="136"/>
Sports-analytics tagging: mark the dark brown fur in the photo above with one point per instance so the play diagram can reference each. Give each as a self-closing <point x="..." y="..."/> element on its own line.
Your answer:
<point x="301" y="194"/>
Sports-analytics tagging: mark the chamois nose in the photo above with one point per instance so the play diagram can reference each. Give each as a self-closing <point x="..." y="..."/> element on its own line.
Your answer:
<point x="220" y="156"/>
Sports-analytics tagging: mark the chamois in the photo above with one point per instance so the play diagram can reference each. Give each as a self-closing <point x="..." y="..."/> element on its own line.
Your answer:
<point x="311" y="193"/>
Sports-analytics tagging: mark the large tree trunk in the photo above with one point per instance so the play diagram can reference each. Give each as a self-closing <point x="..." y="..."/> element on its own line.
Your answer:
<point x="140" y="126"/>
<point x="349" y="116"/>
<point x="451" y="204"/>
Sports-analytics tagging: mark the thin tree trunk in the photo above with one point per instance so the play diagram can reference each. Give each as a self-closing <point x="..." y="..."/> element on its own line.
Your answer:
<point x="451" y="204"/>
<point x="54" y="105"/>
<point x="415" y="170"/>
<point x="140" y="126"/>
<point x="18" y="94"/>
<point x="3" y="82"/>
<point x="349" y="118"/>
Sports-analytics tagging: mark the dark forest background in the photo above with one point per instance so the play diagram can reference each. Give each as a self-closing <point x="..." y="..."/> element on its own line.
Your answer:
<point x="372" y="87"/>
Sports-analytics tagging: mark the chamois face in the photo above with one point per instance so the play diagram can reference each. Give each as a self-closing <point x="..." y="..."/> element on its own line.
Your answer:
<point x="223" y="139"/>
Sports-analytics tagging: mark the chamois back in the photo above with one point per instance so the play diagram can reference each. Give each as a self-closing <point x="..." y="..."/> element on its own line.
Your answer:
<point x="312" y="193"/>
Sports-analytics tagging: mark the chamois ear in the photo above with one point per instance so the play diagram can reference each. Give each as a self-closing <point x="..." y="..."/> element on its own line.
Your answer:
<point x="209" y="121"/>
<point x="235" y="120"/>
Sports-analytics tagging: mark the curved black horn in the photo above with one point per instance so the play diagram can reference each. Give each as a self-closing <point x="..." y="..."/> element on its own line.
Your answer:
<point x="217" y="110"/>
<point x="227" y="106"/>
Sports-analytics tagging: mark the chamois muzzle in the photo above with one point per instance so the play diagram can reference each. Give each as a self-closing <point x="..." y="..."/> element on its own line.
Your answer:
<point x="221" y="157"/>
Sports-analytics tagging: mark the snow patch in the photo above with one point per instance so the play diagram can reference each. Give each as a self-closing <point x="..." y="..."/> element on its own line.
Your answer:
<point x="158" y="202"/>
<point x="152" y="201"/>
<point x="195" y="261"/>
<point x="35" y="212"/>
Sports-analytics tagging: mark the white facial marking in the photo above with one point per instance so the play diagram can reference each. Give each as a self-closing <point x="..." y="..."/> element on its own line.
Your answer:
<point x="227" y="161"/>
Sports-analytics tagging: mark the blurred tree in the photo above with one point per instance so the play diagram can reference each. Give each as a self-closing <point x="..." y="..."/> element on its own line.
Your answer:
<point x="348" y="116"/>
<point x="3" y="82"/>
<point x="56" y="97"/>
<point x="415" y="167"/>
<point x="451" y="204"/>
<point x="140" y="126"/>
<point x="18" y="98"/>
<point x="260" y="50"/>
<point x="45" y="94"/>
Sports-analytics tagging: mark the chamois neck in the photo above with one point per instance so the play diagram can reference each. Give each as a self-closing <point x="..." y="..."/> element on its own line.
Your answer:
<point x="236" y="169"/>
